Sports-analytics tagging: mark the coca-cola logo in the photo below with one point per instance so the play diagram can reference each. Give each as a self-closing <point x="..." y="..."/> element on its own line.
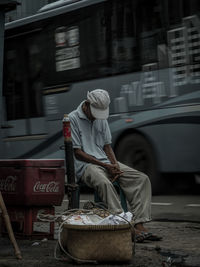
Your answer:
<point x="8" y="184"/>
<point x="51" y="187"/>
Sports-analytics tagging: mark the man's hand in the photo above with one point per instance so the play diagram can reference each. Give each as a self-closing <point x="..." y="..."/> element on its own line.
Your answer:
<point x="114" y="171"/>
<point x="112" y="168"/>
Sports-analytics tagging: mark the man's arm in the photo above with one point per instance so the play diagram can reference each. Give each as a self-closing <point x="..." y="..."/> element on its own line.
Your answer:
<point x="110" y="154"/>
<point x="111" y="168"/>
<point x="115" y="170"/>
<point x="81" y="155"/>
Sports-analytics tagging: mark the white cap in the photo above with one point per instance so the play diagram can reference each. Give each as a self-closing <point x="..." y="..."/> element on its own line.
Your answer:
<point x="99" y="103"/>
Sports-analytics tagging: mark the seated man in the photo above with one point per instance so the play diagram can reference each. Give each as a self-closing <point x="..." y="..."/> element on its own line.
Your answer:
<point x="97" y="167"/>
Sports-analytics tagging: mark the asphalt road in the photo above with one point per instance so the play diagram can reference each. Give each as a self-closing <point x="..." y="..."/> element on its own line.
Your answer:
<point x="175" y="217"/>
<point x="177" y="208"/>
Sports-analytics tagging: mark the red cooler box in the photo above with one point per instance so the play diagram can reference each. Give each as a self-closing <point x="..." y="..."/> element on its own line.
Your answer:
<point x="29" y="182"/>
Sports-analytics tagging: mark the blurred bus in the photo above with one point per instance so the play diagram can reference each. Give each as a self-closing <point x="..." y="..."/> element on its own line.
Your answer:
<point x="145" y="53"/>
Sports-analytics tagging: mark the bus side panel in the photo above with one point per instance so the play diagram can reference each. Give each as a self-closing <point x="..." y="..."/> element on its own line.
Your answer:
<point x="175" y="148"/>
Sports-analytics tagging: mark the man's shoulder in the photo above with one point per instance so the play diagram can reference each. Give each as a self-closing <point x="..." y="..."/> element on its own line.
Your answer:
<point x="77" y="113"/>
<point x="73" y="114"/>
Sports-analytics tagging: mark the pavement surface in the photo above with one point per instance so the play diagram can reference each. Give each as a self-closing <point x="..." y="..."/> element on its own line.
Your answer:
<point x="180" y="247"/>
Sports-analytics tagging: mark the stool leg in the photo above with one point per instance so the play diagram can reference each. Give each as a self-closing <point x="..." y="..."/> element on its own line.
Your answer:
<point x="123" y="200"/>
<point x="96" y="197"/>
<point x="78" y="197"/>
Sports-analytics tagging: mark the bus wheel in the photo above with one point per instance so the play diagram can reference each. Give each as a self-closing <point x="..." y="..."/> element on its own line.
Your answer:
<point x="136" y="152"/>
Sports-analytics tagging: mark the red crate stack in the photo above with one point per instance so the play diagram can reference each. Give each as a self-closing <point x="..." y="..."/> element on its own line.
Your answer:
<point x="31" y="187"/>
<point x="26" y="223"/>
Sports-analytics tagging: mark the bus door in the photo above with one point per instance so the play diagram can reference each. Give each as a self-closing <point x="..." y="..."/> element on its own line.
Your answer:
<point x="23" y="71"/>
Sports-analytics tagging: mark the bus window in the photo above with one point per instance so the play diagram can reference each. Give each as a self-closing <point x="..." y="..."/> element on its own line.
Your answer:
<point x="179" y="9"/>
<point x="23" y="78"/>
<point x="14" y="83"/>
<point x="124" y="37"/>
<point x="35" y="78"/>
<point x="191" y="7"/>
<point x="106" y="43"/>
<point x="184" y="46"/>
<point x="175" y="12"/>
<point x="151" y="30"/>
<point x="77" y="46"/>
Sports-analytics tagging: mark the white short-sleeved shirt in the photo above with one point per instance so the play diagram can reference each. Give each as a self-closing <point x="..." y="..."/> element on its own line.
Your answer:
<point x="89" y="137"/>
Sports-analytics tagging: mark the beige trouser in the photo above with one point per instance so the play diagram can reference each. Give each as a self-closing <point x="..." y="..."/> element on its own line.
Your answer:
<point x="136" y="186"/>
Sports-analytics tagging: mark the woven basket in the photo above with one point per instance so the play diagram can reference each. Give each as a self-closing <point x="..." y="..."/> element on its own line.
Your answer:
<point x="101" y="243"/>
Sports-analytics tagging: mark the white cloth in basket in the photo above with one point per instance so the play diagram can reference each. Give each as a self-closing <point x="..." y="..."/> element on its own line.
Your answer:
<point x="93" y="219"/>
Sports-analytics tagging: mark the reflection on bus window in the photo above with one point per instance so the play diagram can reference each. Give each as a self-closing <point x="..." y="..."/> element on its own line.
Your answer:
<point x="159" y="40"/>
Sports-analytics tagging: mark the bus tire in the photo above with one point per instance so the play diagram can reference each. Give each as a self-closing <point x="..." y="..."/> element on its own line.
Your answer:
<point x="136" y="152"/>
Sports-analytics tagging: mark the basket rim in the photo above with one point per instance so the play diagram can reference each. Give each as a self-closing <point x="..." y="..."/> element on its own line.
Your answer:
<point x="107" y="227"/>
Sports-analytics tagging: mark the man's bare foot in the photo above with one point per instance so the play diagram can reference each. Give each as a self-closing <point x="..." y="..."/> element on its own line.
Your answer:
<point x="142" y="234"/>
<point x="140" y="227"/>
